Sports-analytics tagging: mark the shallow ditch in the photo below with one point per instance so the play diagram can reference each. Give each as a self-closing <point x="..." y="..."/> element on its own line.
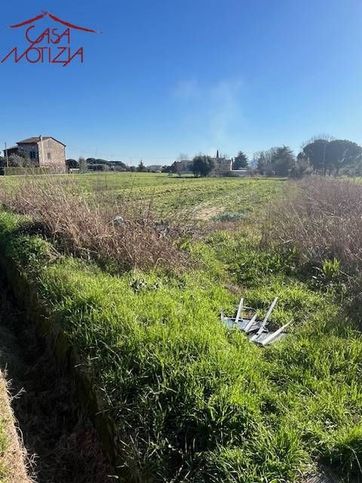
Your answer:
<point x="61" y="443"/>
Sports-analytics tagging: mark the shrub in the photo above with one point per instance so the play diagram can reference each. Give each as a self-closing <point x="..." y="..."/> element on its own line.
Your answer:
<point x="202" y="165"/>
<point x="123" y="237"/>
<point x="321" y="219"/>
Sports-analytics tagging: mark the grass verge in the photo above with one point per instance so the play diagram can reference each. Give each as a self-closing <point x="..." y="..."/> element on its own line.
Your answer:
<point x="12" y="454"/>
<point x="185" y="399"/>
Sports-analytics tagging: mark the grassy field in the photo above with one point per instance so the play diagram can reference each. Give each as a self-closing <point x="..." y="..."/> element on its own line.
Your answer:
<point x="190" y="400"/>
<point x="207" y="198"/>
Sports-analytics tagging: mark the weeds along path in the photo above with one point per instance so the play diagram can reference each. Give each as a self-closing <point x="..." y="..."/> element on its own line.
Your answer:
<point x="12" y="454"/>
<point x="60" y="442"/>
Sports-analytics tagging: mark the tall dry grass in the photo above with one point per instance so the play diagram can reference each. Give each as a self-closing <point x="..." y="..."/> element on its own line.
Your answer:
<point x="126" y="236"/>
<point x="321" y="219"/>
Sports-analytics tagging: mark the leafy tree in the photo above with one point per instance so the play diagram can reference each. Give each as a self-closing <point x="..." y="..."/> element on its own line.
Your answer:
<point x="240" y="161"/>
<point x="354" y="169"/>
<point x="342" y="153"/>
<point x="72" y="163"/>
<point x="82" y="165"/>
<point x="97" y="161"/>
<point x="278" y="161"/>
<point x="115" y="165"/>
<point x="301" y="167"/>
<point x="202" y="165"/>
<point x="176" y="168"/>
<point x="168" y="169"/>
<point x="20" y="160"/>
<point x="118" y="164"/>
<point x="260" y="162"/>
<point x="283" y="161"/>
<point x="98" y="167"/>
<point x="316" y="152"/>
<point x="332" y="155"/>
<point x="263" y="161"/>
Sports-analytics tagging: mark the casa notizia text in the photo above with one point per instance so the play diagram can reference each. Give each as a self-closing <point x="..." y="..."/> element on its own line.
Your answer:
<point x="51" y="46"/>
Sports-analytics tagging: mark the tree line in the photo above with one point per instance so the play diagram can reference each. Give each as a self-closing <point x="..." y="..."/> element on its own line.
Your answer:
<point x="22" y="160"/>
<point x="94" y="164"/>
<point x="320" y="156"/>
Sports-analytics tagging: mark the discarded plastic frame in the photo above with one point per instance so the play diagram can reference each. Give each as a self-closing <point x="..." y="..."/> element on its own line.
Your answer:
<point x="256" y="330"/>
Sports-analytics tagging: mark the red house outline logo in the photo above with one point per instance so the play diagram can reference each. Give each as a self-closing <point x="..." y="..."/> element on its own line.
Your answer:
<point x="51" y="45"/>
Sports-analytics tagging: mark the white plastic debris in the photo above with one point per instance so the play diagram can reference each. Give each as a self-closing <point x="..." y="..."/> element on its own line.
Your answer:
<point x="256" y="330"/>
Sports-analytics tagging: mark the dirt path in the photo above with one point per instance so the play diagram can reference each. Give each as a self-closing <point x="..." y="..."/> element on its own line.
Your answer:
<point x="60" y="442"/>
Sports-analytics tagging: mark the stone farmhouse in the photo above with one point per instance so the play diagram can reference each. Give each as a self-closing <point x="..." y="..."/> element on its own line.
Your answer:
<point x="222" y="166"/>
<point x="41" y="151"/>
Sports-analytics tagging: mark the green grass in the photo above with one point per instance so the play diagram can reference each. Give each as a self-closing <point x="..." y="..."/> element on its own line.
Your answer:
<point x="190" y="400"/>
<point x="173" y="193"/>
<point x="207" y="197"/>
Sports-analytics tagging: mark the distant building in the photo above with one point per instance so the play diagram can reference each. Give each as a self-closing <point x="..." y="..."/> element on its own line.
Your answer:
<point x="222" y="165"/>
<point x="40" y="151"/>
<point x="155" y="168"/>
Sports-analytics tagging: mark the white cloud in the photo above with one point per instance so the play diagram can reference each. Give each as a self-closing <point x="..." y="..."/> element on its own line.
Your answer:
<point x="214" y="111"/>
<point x="225" y="109"/>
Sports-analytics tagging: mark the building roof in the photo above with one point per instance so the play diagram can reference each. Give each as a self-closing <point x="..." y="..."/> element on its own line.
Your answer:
<point x="53" y="17"/>
<point x="36" y="139"/>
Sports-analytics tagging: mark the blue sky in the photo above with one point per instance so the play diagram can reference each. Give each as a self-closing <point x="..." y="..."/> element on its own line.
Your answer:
<point x="164" y="77"/>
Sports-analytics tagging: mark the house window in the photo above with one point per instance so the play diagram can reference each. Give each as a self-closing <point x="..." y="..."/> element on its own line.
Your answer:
<point x="49" y="156"/>
<point x="32" y="154"/>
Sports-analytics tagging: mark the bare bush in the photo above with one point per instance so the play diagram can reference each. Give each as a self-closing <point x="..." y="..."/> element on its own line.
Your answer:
<point x="127" y="236"/>
<point x="322" y="219"/>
